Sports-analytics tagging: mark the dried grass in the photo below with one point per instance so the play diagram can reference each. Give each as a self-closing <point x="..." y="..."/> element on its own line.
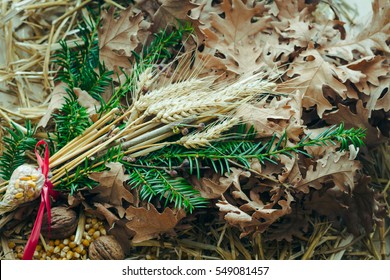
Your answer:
<point x="26" y="82"/>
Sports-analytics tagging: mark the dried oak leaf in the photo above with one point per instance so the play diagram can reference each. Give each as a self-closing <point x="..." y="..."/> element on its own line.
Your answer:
<point x="234" y="39"/>
<point x="309" y="73"/>
<point x="118" y="37"/>
<point x="87" y="101"/>
<point x="335" y="167"/>
<point x="149" y="223"/>
<point x="358" y="119"/>
<point x="170" y="11"/>
<point x="57" y="100"/>
<point x="111" y="189"/>
<point x="361" y="43"/>
<point x="209" y="185"/>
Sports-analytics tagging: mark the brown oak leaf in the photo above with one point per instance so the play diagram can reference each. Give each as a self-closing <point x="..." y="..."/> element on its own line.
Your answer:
<point x="57" y="100"/>
<point x="358" y="119"/>
<point x="361" y="43"/>
<point x="170" y="11"/>
<point x="111" y="189"/>
<point x="234" y="39"/>
<point x="118" y="37"/>
<point x="148" y="223"/>
<point x="334" y="167"/>
<point x="310" y="73"/>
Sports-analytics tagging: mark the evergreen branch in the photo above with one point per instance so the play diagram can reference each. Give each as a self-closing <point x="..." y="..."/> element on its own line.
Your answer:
<point x="71" y="120"/>
<point x="221" y="154"/>
<point x="156" y="183"/>
<point x="16" y="145"/>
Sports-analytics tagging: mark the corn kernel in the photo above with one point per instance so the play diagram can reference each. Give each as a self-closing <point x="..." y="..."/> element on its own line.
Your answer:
<point x="87" y="226"/>
<point x="94" y="221"/>
<point x="63" y="254"/>
<point x="25" y="178"/>
<point x="34" y="177"/>
<point x="57" y="242"/>
<point x="96" y="234"/>
<point x="65" y="242"/>
<point x="50" y="248"/>
<point x="76" y="255"/>
<point x="17" y="184"/>
<point x="38" y="248"/>
<point x="31" y="184"/>
<point x="57" y="249"/>
<point x="85" y="242"/>
<point x="66" y="249"/>
<point x="69" y="255"/>
<point x="103" y="231"/>
<point x="72" y="244"/>
<point x="83" y="252"/>
<point x="49" y="254"/>
<point x="96" y="226"/>
<point x="30" y="193"/>
<point x="72" y="237"/>
<point x="88" y="220"/>
<point x="79" y="248"/>
<point x="91" y="231"/>
<point x="51" y="243"/>
<point x="36" y="254"/>
<point x="19" y="195"/>
<point x="11" y="244"/>
<point x="62" y="245"/>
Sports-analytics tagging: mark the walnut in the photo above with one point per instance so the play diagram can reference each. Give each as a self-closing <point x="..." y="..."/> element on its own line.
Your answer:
<point x="106" y="248"/>
<point x="63" y="223"/>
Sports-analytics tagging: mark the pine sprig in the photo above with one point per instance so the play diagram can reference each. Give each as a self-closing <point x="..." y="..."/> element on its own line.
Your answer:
<point x="81" y="67"/>
<point x="71" y="120"/>
<point x="157" y="183"/>
<point x="222" y="154"/>
<point x="16" y="145"/>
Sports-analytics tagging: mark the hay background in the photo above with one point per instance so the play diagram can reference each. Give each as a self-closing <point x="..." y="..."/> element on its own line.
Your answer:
<point x="29" y="35"/>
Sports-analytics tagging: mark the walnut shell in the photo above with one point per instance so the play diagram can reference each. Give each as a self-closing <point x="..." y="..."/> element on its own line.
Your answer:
<point x="63" y="223"/>
<point x="106" y="248"/>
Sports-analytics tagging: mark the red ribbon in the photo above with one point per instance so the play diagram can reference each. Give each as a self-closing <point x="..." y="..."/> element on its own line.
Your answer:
<point x="47" y="191"/>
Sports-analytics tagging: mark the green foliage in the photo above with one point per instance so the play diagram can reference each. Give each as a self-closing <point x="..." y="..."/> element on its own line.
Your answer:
<point x="16" y="145"/>
<point x="158" y="183"/>
<point x="71" y="120"/>
<point x="81" y="67"/>
<point x="241" y="150"/>
<point x="79" y="178"/>
<point x="161" y="49"/>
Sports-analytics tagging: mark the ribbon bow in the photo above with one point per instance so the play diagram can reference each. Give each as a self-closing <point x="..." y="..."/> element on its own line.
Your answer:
<point x="47" y="191"/>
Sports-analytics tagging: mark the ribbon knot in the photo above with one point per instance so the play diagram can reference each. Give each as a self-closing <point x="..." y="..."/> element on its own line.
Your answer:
<point x="46" y="192"/>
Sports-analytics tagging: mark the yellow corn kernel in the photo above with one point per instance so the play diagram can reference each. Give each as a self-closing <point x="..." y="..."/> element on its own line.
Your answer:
<point x="94" y="221"/>
<point x="72" y="237"/>
<point x="103" y="231"/>
<point x="17" y="184"/>
<point x="11" y="244"/>
<point x="57" y="249"/>
<point x="66" y="242"/>
<point x="96" y="226"/>
<point x="51" y="243"/>
<point x="87" y="226"/>
<point x="76" y="255"/>
<point x="38" y="248"/>
<point x="85" y="243"/>
<point x="72" y="244"/>
<point x="96" y="234"/>
<point x="66" y="249"/>
<point x="91" y="231"/>
<point x="61" y="246"/>
<point x="31" y="184"/>
<point x="25" y="178"/>
<point x="19" y="195"/>
<point x="34" y="177"/>
<point x="79" y="248"/>
<point x="30" y="193"/>
<point x="69" y="255"/>
<point x="49" y="254"/>
<point x="88" y="220"/>
<point x="50" y="248"/>
<point x="83" y="252"/>
<point x="57" y="242"/>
